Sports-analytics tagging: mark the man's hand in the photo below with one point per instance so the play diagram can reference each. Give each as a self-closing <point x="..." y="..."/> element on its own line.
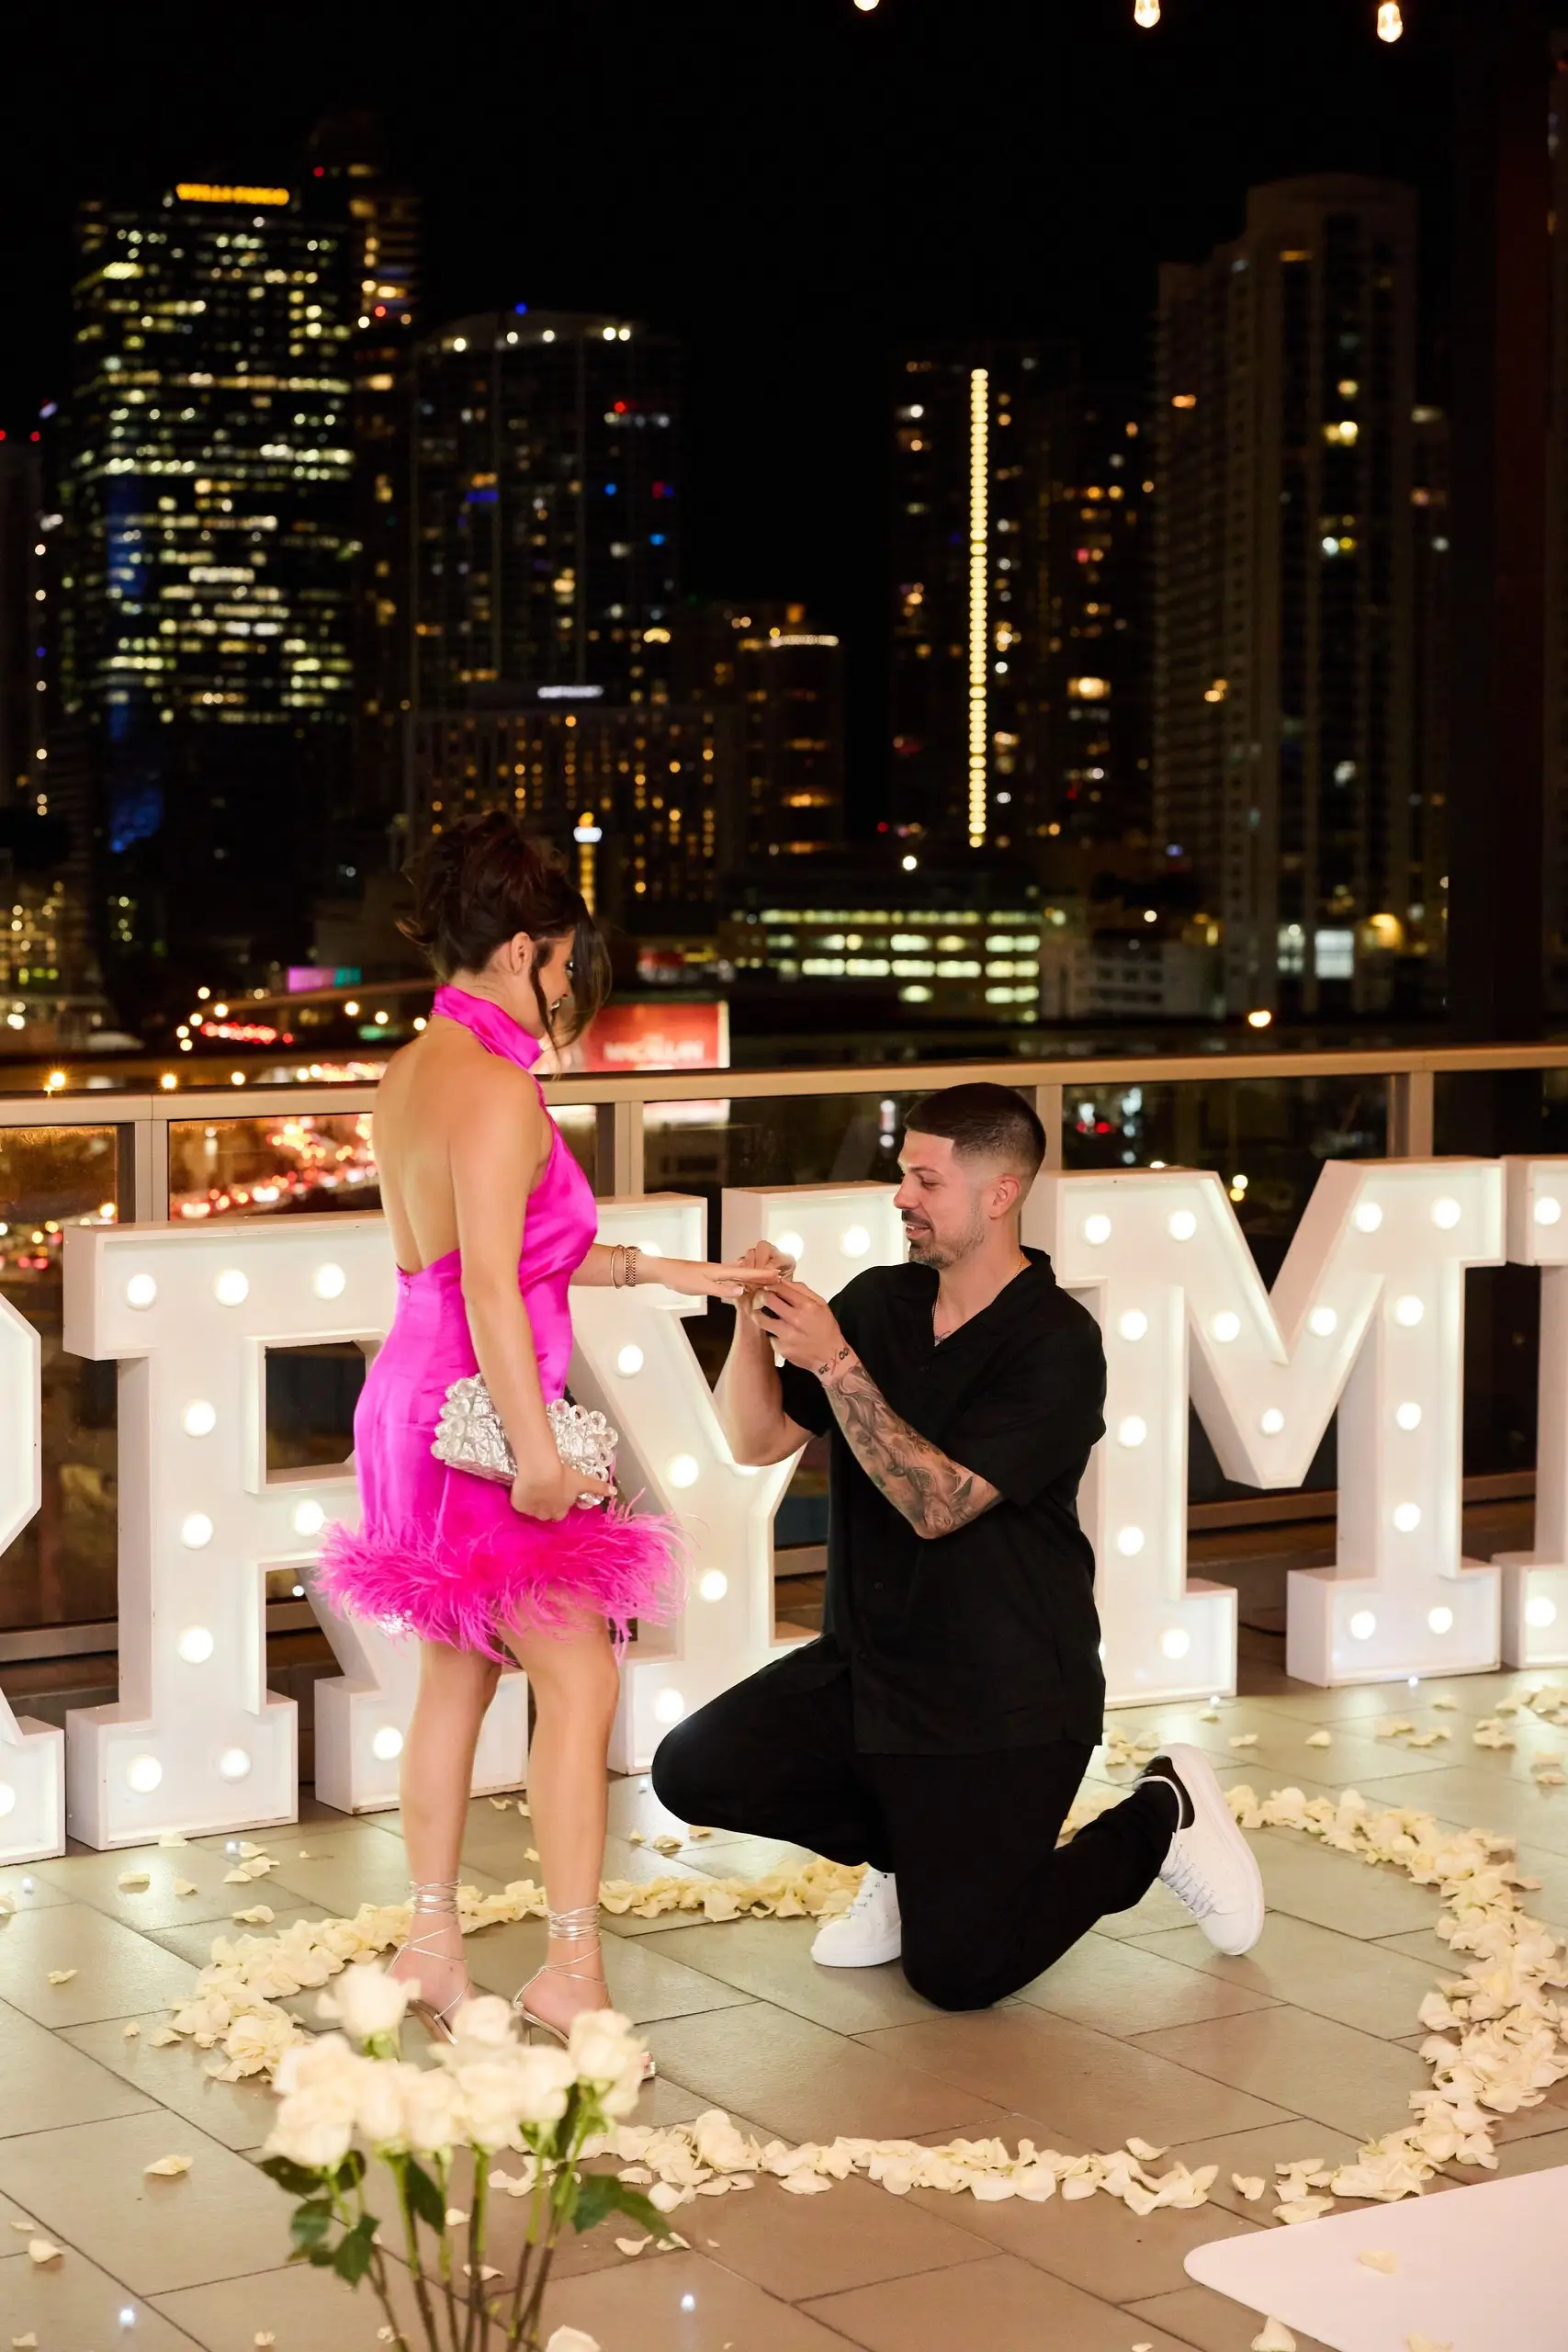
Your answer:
<point x="772" y="1261"/>
<point x="802" y="1326"/>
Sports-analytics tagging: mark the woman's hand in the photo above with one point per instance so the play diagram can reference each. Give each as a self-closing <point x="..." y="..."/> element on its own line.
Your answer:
<point x="556" y="1489"/>
<point x="696" y="1278"/>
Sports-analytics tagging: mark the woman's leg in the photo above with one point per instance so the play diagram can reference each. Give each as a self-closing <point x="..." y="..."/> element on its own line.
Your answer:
<point x="454" y="1689"/>
<point x="575" y="1682"/>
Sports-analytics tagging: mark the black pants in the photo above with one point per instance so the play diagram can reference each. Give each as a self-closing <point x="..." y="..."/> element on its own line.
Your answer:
<point x="987" y="1899"/>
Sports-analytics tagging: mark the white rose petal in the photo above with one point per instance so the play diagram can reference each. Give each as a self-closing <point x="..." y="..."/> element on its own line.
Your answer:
<point x="27" y="2343"/>
<point x="60" y="1975"/>
<point x="1244" y="1739"/>
<point x="1320" y="1739"/>
<point x="1416" y="2342"/>
<point x="169" y="2168"/>
<point x="571" y="2339"/>
<point x="40" y="2250"/>
<point x="800" y="2184"/>
<point x="1249" y="2185"/>
<point x="185" y="1886"/>
<point x="173" y="1838"/>
<point x="133" y="1882"/>
<point x="1144" y="2154"/>
<point x="634" y="2245"/>
<point x="258" y="1915"/>
<point x="263" y="2336"/>
<point x="1378" y="2257"/>
<point x="1273" y="2336"/>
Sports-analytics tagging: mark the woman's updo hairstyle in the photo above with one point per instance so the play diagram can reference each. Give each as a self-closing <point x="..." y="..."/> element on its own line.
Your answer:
<point x="480" y="881"/>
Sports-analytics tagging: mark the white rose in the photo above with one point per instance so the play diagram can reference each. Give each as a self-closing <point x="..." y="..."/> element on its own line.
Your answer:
<point x="545" y="2075"/>
<point x="602" y="2045"/>
<point x="491" y="2094"/>
<point x="368" y="2001"/>
<point x="486" y="2022"/>
<point x="380" y="2107"/>
<point x="571" y="2339"/>
<point x="317" y="2064"/>
<point x="434" y="2117"/>
<point x="313" y="2128"/>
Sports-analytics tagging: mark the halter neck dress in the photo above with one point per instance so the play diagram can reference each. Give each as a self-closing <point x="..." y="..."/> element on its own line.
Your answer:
<point x="442" y="1552"/>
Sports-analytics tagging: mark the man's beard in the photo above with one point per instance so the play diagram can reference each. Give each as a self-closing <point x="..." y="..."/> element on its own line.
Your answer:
<point x="927" y="1248"/>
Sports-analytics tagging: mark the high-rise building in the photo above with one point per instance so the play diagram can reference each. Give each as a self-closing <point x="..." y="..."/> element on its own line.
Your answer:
<point x="1430" y="661"/>
<point x="1556" y="714"/>
<point x="969" y="621"/>
<point x="785" y="676"/>
<point x="544" y="508"/>
<point x="24" y="712"/>
<point x="639" y="796"/>
<point x="207" y="494"/>
<point x="1284" y="603"/>
<point x="347" y="161"/>
<point x="1091" y="683"/>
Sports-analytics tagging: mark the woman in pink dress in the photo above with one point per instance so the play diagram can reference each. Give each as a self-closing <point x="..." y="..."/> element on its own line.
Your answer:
<point x="491" y="1219"/>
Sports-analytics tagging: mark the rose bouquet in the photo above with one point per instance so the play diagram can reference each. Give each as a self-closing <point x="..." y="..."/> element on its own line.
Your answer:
<point x="351" y="2095"/>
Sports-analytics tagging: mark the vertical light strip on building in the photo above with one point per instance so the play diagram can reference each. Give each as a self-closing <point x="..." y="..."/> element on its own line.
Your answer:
<point x="979" y="557"/>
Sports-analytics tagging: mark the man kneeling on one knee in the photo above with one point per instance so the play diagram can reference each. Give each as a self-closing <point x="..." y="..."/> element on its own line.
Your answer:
<point x="939" y="1729"/>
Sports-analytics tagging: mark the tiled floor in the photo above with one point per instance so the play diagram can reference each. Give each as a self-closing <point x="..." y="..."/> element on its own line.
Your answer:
<point x="1302" y="2048"/>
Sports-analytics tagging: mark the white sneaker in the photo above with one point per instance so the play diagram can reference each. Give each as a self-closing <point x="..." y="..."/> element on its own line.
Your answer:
<point x="1211" y="1867"/>
<point x="869" y="1933"/>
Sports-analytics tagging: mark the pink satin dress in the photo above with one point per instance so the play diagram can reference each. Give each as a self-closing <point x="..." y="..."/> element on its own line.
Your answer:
<point x="439" y="1552"/>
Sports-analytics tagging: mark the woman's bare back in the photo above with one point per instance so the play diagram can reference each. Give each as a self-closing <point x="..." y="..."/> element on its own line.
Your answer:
<point x="426" y="1094"/>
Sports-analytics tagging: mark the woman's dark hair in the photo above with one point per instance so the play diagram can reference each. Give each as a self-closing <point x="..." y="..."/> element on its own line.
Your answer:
<point x="480" y="881"/>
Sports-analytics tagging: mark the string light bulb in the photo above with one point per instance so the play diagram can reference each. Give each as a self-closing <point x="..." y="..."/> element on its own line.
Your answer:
<point x="1146" y="13"/>
<point x="1391" y="23"/>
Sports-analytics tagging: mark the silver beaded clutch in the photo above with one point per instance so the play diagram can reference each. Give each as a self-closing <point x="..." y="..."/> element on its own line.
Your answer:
<point x="470" y="1436"/>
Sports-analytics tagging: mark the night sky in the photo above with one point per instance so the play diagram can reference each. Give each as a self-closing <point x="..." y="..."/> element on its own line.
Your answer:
<point x="791" y="185"/>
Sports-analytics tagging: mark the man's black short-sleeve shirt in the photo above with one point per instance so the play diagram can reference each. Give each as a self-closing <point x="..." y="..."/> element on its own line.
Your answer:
<point x="985" y="1638"/>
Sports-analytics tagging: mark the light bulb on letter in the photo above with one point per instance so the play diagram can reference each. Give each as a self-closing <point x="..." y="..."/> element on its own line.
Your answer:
<point x="628" y="1361"/>
<point x="231" y="1287"/>
<point x="200" y="1418"/>
<point x="195" y="1645"/>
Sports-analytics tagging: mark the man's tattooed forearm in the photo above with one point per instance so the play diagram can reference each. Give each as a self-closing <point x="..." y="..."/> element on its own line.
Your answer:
<point x="934" y="1493"/>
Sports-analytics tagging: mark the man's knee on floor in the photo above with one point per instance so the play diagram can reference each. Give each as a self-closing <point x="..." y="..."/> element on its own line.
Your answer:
<point x="948" y="1980"/>
<point x="679" y="1780"/>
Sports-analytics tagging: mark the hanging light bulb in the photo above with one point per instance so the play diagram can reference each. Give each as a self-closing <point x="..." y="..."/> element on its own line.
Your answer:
<point x="1391" y="24"/>
<point x="1146" y="13"/>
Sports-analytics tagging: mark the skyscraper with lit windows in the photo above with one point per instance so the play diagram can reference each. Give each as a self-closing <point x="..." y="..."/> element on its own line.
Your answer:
<point x="546" y="520"/>
<point x="784" y="675"/>
<point x="347" y="165"/>
<point x="1283" y="706"/>
<point x="1093" y="676"/>
<point x="968" y="620"/>
<point x="207" y="496"/>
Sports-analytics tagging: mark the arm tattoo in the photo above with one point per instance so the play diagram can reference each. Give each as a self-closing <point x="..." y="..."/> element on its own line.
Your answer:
<point x="935" y="1494"/>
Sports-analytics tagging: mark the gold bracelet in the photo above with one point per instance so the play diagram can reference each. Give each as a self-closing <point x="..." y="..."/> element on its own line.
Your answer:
<point x="633" y="1253"/>
<point x="618" y="1265"/>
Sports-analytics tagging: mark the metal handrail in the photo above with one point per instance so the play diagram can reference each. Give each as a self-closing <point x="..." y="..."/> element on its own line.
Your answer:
<point x="143" y="1119"/>
<point x="621" y="1102"/>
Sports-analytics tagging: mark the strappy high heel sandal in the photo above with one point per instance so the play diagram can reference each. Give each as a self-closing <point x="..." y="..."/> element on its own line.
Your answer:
<point x="578" y="1928"/>
<point x="435" y="1899"/>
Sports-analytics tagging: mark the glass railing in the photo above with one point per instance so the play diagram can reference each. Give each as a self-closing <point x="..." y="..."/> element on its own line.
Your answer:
<point x="1265" y="1122"/>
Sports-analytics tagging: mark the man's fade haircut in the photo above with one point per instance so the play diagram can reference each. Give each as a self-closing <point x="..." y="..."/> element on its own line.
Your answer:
<point x="984" y="1122"/>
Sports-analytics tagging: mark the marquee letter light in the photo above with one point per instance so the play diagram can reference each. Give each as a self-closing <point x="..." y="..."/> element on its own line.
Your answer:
<point x="195" y="1741"/>
<point x="1369" y="1309"/>
<point x="1535" y="1584"/>
<point x="32" y="1755"/>
<point x="635" y="1362"/>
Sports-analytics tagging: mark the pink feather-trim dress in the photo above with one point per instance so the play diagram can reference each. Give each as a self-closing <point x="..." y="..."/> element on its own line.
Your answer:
<point x="439" y="1552"/>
